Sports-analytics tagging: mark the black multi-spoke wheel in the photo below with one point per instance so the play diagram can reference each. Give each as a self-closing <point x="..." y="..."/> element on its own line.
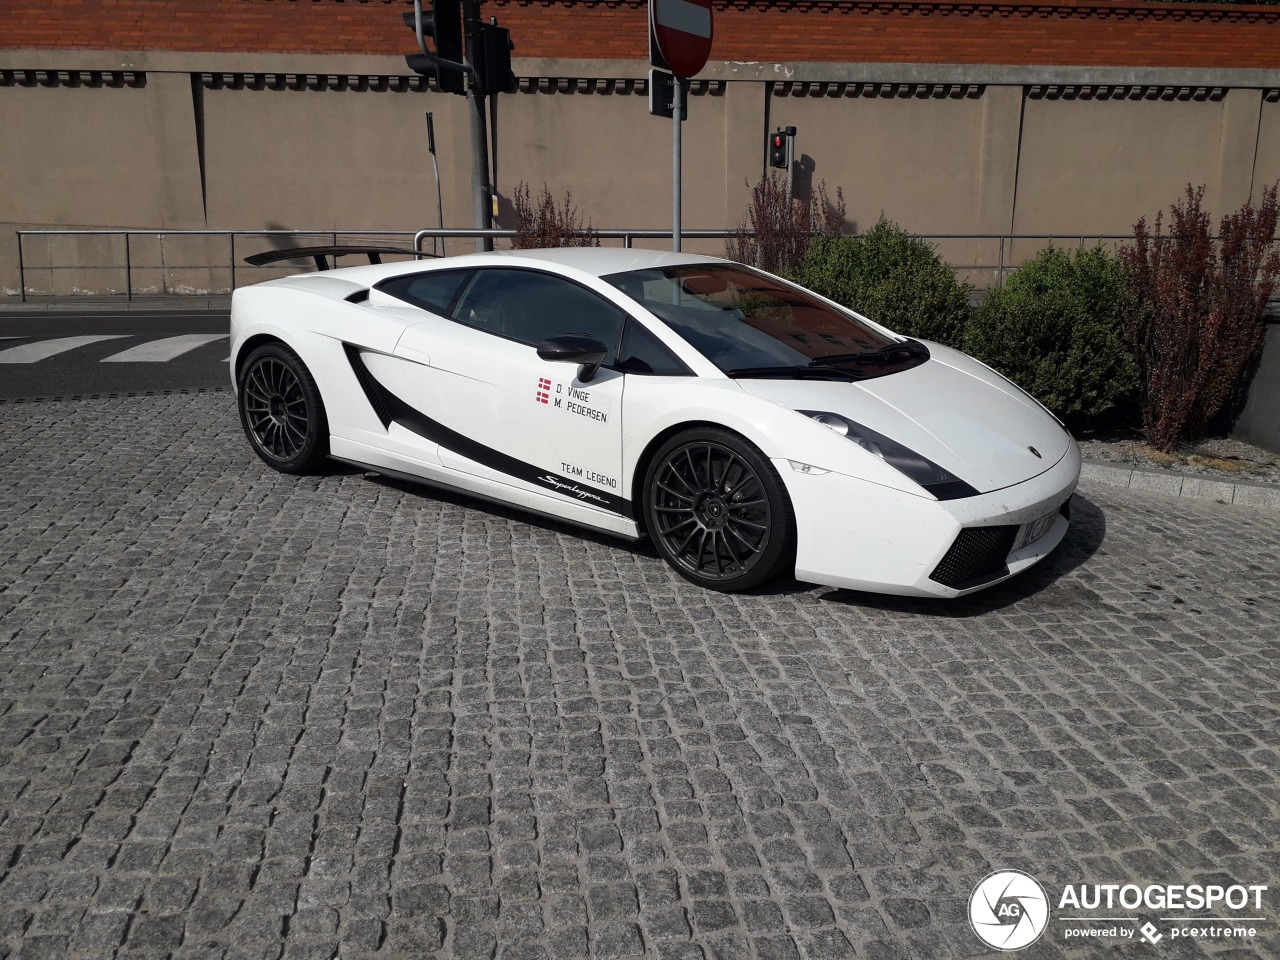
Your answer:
<point x="716" y="510"/>
<point x="281" y="410"/>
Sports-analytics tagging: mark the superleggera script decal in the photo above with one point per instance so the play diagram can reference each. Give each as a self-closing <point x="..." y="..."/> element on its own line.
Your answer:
<point x="572" y="489"/>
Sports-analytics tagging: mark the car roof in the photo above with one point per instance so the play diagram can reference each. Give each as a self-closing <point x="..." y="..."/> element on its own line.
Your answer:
<point x="601" y="261"/>
<point x="594" y="261"/>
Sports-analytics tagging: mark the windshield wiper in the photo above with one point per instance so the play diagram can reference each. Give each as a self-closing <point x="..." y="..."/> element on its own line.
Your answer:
<point x="811" y="371"/>
<point x="889" y="353"/>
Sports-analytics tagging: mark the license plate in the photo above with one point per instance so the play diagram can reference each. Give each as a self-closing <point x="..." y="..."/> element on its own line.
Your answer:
<point x="1036" y="529"/>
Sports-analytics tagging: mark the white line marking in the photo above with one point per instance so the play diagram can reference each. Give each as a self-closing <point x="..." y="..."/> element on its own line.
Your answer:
<point x="684" y="16"/>
<point x="44" y="349"/>
<point x="157" y="351"/>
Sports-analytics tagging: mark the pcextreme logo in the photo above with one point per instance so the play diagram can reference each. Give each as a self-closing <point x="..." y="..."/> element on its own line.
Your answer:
<point x="1009" y="910"/>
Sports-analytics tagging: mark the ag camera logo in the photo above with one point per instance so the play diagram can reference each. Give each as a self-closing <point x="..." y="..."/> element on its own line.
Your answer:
<point x="1008" y="910"/>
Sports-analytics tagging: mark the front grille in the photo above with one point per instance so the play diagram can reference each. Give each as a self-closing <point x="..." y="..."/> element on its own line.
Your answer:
<point x="977" y="555"/>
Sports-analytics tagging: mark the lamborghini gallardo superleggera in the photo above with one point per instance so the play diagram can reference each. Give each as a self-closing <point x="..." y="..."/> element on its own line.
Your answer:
<point x="748" y="427"/>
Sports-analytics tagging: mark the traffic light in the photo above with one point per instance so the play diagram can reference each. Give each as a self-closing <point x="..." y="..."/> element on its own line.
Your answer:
<point x="443" y="23"/>
<point x="494" y="68"/>
<point x="778" y="149"/>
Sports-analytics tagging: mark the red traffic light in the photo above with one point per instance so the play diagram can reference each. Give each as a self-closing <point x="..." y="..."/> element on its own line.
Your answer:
<point x="778" y="149"/>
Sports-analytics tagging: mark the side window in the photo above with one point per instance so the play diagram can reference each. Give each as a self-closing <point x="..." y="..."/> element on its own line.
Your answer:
<point x="436" y="290"/>
<point x="642" y="352"/>
<point x="531" y="307"/>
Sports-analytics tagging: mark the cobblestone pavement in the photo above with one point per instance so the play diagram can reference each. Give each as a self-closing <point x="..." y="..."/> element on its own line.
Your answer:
<point x="248" y="715"/>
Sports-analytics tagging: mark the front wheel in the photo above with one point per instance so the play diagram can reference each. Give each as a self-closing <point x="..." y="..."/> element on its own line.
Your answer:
<point x="717" y="511"/>
<point x="281" y="410"/>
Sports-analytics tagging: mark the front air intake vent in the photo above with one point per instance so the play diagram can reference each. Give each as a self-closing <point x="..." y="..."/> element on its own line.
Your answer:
<point x="978" y="555"/>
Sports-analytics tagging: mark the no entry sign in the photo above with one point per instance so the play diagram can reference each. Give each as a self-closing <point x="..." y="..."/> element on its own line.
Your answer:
<point x="681" y="30"/>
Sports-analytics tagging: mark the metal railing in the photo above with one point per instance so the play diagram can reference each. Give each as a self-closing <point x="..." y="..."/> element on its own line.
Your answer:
<point x="146" y="253"/>
<point x="127" y="267"/>
<point x="626" y="234"/>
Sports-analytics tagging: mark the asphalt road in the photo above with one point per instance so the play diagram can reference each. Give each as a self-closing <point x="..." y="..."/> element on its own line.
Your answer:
<point x="51" y="354"/>
<point x="252" y="715"/>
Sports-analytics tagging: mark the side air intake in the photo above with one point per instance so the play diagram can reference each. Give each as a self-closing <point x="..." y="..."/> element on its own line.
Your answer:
<point x="372" y="392"/>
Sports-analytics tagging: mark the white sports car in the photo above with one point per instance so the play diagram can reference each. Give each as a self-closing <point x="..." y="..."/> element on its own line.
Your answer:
<point x="747" y="426"/>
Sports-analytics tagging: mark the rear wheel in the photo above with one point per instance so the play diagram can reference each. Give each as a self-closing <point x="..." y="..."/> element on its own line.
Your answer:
<point x="281" y="410"/>
<point x="716" y="510"/>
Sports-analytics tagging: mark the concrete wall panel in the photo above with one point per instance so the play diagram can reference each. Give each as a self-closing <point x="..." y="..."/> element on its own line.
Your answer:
<point x="614" y="158"/>
<point x="1266" y="168"/>
<point x="346" y="159"/>
<point x="915" y="159"/>
<point x="1096" y="166"/>
<point x="151" y="148"/>
<point x="358" y="160"/>
<point x="113" y="156"/>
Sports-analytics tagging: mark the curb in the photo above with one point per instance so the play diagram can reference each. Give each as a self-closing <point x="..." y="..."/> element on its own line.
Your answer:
<point x="71" y="305"/>
<point x="1265" y="496"/>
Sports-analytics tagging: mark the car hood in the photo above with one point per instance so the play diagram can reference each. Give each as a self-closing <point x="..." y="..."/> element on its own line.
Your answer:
<point x="951" y="409"/>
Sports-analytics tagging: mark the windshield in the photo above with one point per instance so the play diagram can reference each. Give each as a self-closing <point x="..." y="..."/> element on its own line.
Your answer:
<point x="749" y="324"/>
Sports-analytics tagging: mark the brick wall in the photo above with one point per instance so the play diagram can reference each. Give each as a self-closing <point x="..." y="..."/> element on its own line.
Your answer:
<point x="1079" y="32"/>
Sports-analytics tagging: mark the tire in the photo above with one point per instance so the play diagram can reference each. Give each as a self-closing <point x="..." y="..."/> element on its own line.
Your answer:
<point x="717" y="512"/>
<point x="281" y="410"/>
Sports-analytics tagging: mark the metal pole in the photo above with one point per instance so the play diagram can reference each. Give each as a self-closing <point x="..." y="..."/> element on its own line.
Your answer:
<point x="435" y="165"/>
<point x="232" y="238"/>
<point x="471" y="25"/>
<point x="22" y="272"/>
<point x="493" y="150"/>
<point x="677" y="115"/>
<point x="128" y="270"/>
<point x="791" y="161"/>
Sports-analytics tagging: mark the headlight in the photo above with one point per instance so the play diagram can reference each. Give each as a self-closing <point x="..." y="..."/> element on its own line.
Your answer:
<point x="939" y="481"/>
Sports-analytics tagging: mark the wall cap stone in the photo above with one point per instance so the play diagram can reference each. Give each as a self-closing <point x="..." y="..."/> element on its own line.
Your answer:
<point x="1045" y="75"/>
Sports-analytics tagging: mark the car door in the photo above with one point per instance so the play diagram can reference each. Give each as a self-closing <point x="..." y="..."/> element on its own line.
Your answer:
<point x="395" y="305"/>
<point x="502" y="414"/>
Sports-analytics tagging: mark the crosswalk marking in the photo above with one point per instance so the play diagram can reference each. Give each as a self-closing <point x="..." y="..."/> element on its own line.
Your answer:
<point x="157" y="351"/>
<point x="43" y="349"/>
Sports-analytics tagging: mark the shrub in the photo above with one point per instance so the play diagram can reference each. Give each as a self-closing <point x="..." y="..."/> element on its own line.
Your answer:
<point x="779" y="228"/>
<point x="891" y="277"/>
<point x="1057" y="330"/>
<point x="548" y="225"/>
<point x="1195" y="319"/>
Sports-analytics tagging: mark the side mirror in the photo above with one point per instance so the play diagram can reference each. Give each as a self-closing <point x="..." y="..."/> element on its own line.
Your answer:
<point x="575" y="348"/>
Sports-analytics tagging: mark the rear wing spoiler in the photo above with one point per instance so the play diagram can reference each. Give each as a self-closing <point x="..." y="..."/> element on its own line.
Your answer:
<point x="321" y="254"/>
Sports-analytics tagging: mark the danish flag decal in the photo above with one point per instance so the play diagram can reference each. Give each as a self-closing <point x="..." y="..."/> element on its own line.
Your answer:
<point x="544" y="388"/>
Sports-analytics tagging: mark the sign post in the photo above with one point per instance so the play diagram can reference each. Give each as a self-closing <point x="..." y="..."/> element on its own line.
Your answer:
<point x="679" y="43"/>
<point x="677" y="116"/>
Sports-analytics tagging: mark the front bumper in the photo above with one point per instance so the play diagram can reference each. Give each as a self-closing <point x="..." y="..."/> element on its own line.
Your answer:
<point x="861" y="536"/>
